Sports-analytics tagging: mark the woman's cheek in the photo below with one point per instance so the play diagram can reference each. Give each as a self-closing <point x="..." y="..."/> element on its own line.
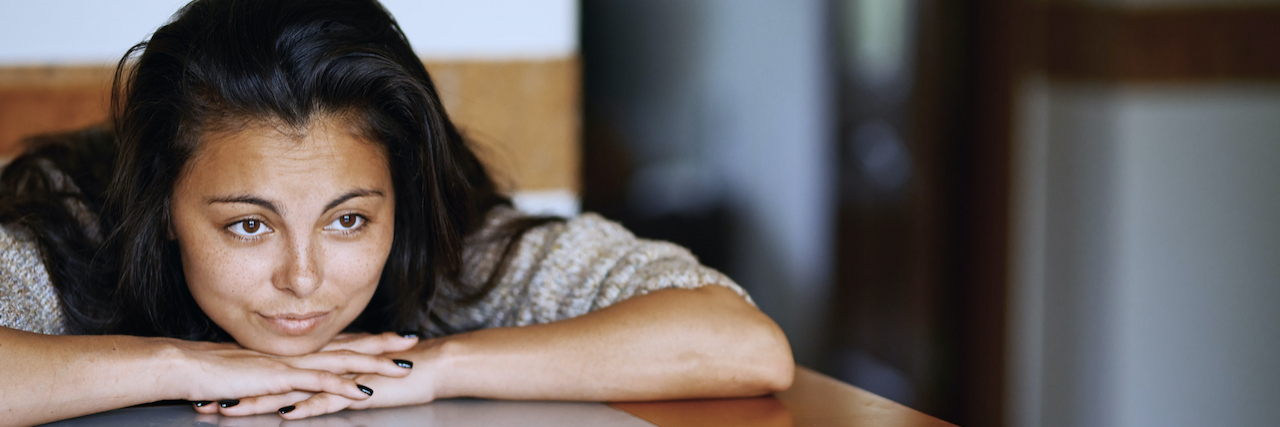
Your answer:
<point x="223" y="278"/>
<point x="358" y="267"/>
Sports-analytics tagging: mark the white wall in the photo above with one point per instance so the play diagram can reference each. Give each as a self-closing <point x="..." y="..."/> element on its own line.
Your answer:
<point x="1199" y="257"/>
<point x="93" y="31"/>
<point x="1146" y="256"/>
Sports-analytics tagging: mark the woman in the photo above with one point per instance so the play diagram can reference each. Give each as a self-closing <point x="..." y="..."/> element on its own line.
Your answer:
<point x="281" y="188"/>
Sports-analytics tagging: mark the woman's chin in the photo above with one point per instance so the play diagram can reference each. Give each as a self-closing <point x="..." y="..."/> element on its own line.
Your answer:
<point x="288" y="335"/>
<point x="281" y="346"/>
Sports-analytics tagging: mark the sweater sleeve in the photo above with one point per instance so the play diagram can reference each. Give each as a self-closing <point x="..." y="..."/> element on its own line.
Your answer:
<point x="27" y="298"/>
<point x="567" y="269"/>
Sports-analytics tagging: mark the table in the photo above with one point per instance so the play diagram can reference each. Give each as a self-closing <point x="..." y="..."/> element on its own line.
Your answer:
<point x="443" y="413"/>
<point x="813" y="400"/>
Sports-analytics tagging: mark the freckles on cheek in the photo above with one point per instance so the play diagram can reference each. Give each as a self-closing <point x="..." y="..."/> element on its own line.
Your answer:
<point x="219" y="272"/>
<point x="356" y="270"/>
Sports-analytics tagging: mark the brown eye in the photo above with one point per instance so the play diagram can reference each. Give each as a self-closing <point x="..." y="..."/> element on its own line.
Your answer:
<point x="249" y="228"/>
<point x="346" y="222"/>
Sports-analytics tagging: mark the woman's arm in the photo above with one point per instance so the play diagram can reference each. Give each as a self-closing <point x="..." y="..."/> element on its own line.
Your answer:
<point x="668" y="344"/>
<point x="51" y="377"/>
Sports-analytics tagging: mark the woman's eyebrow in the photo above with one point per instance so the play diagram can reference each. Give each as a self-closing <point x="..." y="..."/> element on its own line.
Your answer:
<point x="351" y="195"/>
<point x="245" y="199"/>
<point x="271" y="206"/>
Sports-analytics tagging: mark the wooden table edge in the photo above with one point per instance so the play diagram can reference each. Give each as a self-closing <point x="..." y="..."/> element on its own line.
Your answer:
<point x="813" y="400"/>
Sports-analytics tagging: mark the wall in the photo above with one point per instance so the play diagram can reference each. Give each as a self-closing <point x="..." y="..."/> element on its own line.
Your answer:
<point x="1197" y="263"/>
<point x="507" y="69"/>
<point x="1145" y="278"/>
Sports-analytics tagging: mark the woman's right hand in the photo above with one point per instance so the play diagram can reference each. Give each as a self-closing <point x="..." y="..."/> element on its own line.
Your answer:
<point x="223" y="373"/>
<point x="55" y="377"/>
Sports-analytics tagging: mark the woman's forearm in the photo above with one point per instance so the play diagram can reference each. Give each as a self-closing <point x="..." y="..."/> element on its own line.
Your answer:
<point x="48" y="378"/>
<point x="51" y="378"/>
<point x="669" y="344"/>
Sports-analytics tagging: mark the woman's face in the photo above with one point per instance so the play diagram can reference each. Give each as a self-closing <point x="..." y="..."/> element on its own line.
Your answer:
<point x="284" y="235"/>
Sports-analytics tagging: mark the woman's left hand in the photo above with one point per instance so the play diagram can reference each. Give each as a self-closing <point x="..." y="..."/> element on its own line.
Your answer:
<point x="417" y="388"/>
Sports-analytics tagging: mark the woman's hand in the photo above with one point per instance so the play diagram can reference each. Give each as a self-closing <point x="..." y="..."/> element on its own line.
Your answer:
<point x="669" y="344"/>
<point x="55" y="377"/>
<point x="402" y="387"/>
<point x="217" y="375"/>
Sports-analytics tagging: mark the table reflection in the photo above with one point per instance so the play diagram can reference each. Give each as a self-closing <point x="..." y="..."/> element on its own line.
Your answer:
<point x="450" y="413"/>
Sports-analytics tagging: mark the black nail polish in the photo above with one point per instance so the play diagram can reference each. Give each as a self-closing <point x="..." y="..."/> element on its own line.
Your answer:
<point x="409" y="334"/>
<point x="365" y="390"/>
<point x="202" y="403"/>
<point x="228" y="403"/>
<point x="403" y="363"/>
<point x="287" y="409"/>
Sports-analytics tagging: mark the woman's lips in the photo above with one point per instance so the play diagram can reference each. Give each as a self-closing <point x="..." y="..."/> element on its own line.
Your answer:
<point x="295" y="324"/>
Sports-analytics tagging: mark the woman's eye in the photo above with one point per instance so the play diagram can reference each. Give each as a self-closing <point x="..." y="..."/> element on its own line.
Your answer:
<point x="346" y="222"/>
<point x="249" y="228"/>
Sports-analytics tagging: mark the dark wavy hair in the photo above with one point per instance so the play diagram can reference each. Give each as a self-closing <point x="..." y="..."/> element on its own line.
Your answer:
<point x="226" y="63"/>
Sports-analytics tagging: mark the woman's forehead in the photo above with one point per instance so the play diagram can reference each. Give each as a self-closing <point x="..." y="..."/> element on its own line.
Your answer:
<point x="265" y="159"/>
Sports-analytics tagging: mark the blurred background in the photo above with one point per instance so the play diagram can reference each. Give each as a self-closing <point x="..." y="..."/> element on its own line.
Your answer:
<point x="998" y="212"/>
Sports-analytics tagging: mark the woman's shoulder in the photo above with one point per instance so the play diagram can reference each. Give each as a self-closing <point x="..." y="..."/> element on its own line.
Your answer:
<point x="27" y="299"/>
<point x="586" y="247"/>
<point x="560" y="244"/>
<point x="560" y="269"/>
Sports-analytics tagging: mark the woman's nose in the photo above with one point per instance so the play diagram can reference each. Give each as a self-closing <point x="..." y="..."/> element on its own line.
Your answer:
<point x="300" y="272"/>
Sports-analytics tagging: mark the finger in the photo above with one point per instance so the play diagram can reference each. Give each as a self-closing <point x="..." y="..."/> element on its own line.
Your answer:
<point x="264" y="404"/>
<point x="205" y="407"/>
<point x="387" y="342"/>
<point x="347" y="336"/>
<point x="340" y="341"/>
<point x="328" y="382"/>
<point x="320" y="404"/>
<point x="349" y="362"/>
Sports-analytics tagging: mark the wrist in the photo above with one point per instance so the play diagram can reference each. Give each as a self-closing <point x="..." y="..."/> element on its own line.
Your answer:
<point x="445" y="357"/>
<point x="171" y="365"/>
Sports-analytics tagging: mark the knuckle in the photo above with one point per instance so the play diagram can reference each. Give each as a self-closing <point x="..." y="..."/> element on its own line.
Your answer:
<point x="316" y="405"/>
<point x="332" y="381"/>
<point x="336" y="403"/>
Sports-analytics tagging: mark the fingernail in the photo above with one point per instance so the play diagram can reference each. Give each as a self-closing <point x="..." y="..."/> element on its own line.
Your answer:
<point x="403" y="363"/>
<point x="365" y="390"/>
<point x="202" y="403"/>
<point x="287" y="409"/>
<point x="228" y="403"/>
<point x="409" y="334"/>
